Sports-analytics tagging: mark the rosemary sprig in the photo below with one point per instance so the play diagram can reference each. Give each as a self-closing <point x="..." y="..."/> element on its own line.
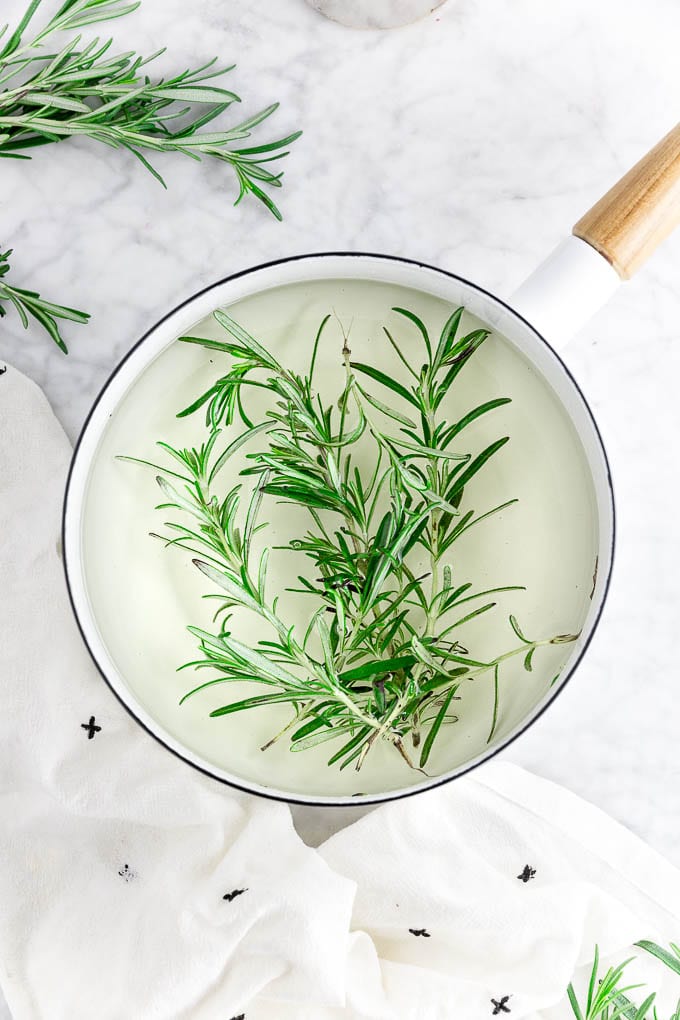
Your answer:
<point x="29" y="303"/>
<point x="388" y="664"/>
<point x="608" y="998"/>
<point x="83" y="89"/>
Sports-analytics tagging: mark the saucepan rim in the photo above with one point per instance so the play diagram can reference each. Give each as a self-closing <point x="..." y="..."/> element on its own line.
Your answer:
<point x="74" y="507"/>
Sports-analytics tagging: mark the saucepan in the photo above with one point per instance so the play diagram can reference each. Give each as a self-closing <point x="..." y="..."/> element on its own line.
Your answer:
<point x="545" y="554"/>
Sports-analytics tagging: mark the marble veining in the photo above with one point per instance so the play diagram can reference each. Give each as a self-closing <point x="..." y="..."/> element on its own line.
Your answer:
<point x="472" y="139"/>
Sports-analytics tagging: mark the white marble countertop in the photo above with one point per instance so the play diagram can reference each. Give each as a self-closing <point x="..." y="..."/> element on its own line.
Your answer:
<point x="472" y="140"/>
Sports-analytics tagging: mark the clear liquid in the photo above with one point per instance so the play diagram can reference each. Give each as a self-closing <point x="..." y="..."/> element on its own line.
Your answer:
<point x="144" y="596"/>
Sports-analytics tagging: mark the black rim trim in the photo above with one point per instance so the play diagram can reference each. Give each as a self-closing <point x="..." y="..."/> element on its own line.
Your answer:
<point x="347" y="800"/>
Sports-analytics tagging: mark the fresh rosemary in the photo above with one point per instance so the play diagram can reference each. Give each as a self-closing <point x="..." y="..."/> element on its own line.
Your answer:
<point x="607" y="998"/>
<point x="380" y="659"/>
<point x="29" y="303"/>
<point x="83" y="89"/>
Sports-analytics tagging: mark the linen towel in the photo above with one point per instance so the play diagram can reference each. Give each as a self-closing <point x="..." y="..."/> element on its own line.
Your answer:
<point x="117" y="856"/>
<point x="134" y="888"/>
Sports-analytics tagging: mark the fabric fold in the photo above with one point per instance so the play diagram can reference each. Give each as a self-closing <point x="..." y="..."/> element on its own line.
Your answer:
<point x="135" y="888"/>
<point x="121" y="863"/>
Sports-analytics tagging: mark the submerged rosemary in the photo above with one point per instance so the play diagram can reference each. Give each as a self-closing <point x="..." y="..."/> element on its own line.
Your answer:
<point x="380" y="658"/>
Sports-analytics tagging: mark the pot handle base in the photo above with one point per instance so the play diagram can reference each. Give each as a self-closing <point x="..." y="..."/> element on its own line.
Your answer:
<point x="607" y="245"/>
<point x="566" y="290"/>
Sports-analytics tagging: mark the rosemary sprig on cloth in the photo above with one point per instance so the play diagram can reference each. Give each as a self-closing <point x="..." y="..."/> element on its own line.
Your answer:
<point x="608" y="995"/>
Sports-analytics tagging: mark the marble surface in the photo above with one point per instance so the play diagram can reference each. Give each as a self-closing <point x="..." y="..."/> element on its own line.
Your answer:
<point x="472" y="140"/>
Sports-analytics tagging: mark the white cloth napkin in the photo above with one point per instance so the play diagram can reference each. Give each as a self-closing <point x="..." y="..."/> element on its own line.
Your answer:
<point x="134" y="888"/>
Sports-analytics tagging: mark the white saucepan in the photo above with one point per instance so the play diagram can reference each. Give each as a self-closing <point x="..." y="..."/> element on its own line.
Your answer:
<point x="133" y="598"/>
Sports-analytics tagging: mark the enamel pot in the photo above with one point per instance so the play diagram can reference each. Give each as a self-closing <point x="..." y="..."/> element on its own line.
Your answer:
<point x="122" y="585"/>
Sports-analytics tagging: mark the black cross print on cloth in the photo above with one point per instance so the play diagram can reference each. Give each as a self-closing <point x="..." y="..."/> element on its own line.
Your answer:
<point x="229" y="896"/>
<point x="3" y="369"/>
<point x="527" y="874"/>
<point x="241" y="1016"/>
<point x="91" y="727"/>
<point x="126" y="873"/>
<point x="420" y="931"/>
<point x="502" y="1006"/>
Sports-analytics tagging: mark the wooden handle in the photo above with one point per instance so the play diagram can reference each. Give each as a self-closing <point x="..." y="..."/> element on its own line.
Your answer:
<point x="639" y="212"/>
